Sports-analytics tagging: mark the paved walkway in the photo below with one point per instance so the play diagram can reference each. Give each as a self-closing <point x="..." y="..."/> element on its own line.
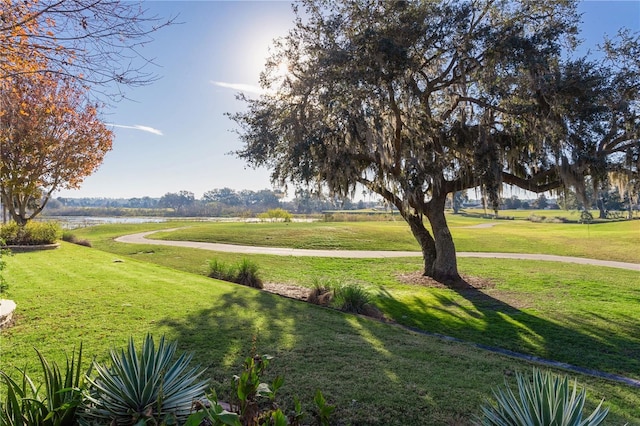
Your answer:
<point x="141" y="238"/>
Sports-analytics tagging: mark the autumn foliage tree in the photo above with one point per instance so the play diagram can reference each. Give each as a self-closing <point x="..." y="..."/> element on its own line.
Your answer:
<point x="50" y="138"/>
<point x="55" y="55"/>
<point x="97" y="43"/>
<point x="418" y="100"/>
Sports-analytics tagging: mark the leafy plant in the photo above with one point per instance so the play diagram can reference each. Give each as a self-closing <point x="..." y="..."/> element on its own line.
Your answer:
<point x="250" y="391"/>
<point x="149" y="388"/>
<point x="324" y="410"/>
<point x="27" y="404"/>
<point x="253" y="401"/>
<point x="212" y="413"/>
<point x="544" y="400"/>
<point x="33" y="233"/>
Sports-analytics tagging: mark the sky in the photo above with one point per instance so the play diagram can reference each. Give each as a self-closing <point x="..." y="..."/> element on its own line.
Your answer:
<point x="173" y="135"/>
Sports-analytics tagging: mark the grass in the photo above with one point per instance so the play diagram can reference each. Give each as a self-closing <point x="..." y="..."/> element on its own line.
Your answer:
<point x="583" y="316"/>
<point x="375" y="373"/>
<point x="608" y="241"/>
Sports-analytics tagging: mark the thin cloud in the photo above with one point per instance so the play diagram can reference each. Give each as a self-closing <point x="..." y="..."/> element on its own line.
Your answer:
<point x="139" y="127"/>
<point x="241" y="87"/>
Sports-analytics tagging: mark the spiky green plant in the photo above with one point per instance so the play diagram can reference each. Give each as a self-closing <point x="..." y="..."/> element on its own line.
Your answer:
<point x="221" y="271"/>
<point x="149" y="388"/>
<point x="248" y="274"/>
<point x="351" y="298"/>
<point x="546" y="399"/>
<point x="26" y="403"/>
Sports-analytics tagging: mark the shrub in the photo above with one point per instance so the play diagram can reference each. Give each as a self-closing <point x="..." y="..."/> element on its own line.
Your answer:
<point x="544" y="400"/>
<point x="245" y="272"/>
<point x="33" y="233"/>
<point x="143" y="389"/>
<point x="71" y="238"/>
<point x="55" y="405"/>
<point x="586" y="217"/>
<point x="3" y="264"/>
<point x="220" y="270"/>
<point x="351" y="298"/>
<point x="276" y="214"/>
<point x="321" y="292"/>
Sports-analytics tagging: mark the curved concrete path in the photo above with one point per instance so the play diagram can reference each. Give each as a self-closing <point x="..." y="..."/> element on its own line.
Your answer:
<point x="141" y="238"/>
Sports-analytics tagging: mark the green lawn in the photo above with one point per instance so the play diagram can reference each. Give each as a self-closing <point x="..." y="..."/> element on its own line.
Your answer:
<point x="375" y="373"/>
<point x="609" y="241"/>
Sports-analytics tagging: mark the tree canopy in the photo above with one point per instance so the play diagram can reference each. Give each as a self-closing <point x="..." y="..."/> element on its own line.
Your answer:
<point x="97" y="43"/>
<point x="418" y="100"/>
<point x="55" y="55"/>
<point x="50" y="138"/>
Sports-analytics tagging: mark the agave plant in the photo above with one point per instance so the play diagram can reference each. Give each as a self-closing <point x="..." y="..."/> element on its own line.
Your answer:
<point x="149" y="388"/>
<point x="546" y="399"/>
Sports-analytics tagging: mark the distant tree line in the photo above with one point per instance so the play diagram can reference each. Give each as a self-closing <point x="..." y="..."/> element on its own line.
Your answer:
<point x="226" y="202"/>
<point x="220" y="202"/>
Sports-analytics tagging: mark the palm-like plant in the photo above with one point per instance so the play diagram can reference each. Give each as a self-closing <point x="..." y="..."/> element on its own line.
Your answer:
<point x="544" y="400"/>
<point x="149" y="388"/>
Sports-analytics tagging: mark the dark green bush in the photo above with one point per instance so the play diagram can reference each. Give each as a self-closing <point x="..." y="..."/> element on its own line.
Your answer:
<point x="33" y="233"/>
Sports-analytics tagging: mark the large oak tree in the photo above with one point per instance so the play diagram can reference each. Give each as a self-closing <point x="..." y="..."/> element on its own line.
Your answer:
<point x="51" y="137"/>
<point x="417" y="100"/>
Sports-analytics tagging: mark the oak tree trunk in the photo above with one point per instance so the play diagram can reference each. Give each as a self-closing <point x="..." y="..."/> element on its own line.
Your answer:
<point x="445" y="265"/>
<point x="424" y="238"/>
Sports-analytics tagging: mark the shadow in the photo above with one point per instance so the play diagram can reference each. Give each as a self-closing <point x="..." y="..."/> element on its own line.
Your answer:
<point x="375" y="373"/>
<point x="461" y="311"/>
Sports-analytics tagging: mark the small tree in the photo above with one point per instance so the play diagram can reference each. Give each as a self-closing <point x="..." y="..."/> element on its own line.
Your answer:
<point x="50" y="138"/>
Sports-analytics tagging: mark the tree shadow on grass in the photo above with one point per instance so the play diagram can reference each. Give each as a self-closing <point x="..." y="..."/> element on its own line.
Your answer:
<point x="471" y="314"/>
<point x="374" y="373"/>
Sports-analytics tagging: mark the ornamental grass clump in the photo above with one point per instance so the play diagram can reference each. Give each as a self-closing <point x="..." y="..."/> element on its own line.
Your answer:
<point x="545" y="399"/>
<point x="220" y="270"/>
<point x="145" y="388"/>
<point x="321" y="292"/>
<point x="244" y="272"/>
<point x="248" y="274"/>
<point x="351" y="298"/>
